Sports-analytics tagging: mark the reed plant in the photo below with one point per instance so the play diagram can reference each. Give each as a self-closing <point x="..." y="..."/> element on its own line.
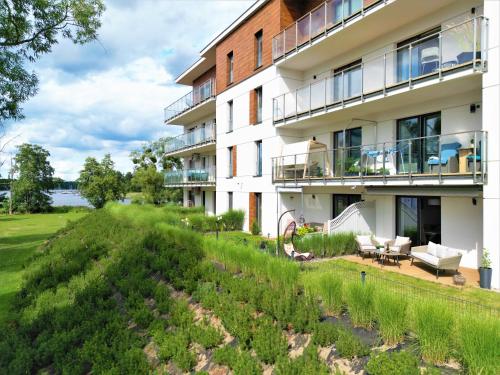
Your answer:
<point x="359" y="298"/>
<point x="478" y="340"/>
<point x="327" y="245"/>
<point x="330" y="290"/>
<point x="391" y="314"/>
<point x="433" y="324"/>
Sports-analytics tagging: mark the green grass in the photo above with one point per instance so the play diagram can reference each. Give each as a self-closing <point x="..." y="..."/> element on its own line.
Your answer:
<point x="20" y="236"/>
<point x="471" y="294"/>
<point x="390" y="312"/>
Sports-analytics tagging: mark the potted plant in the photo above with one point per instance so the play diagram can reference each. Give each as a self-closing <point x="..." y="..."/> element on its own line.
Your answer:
<point x="485" y="270"/>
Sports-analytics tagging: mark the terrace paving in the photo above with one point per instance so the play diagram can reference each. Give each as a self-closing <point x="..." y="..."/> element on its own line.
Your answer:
<point x="419" y="270"/>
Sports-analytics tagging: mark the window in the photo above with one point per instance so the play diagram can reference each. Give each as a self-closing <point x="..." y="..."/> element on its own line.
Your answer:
<point x="230" y="116"/>
<point x="419" y="218"/>
<point x="342" y="201"/>
<point x="230" y="67"/>
<point x="347" y="153"/>
<point x="230" y="200"/>
<point x="203" y="198"/>
<point x="258" y="105"/>
<point x="258" y="146"/>
<point x="258" y="209"/>
<point x="230" y="156"/>
<point x="347" y="81"/>
<point x="258" y="49"/>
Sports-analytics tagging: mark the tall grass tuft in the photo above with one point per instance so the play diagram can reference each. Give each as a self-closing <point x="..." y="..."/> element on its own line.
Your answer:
<point x="433" y="324"/>
<point x="479" y="344"/>
<point x="390" y="312"/>
<point x="359" y="298"/>
<point x="328" y="245"/>
<point x="330" y="291"/>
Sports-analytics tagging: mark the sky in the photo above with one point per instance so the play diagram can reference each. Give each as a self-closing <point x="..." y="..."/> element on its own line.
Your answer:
<point x="108" y="96"/>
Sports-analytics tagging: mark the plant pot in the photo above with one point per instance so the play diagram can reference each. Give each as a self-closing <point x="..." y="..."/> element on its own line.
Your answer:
<point x="485" y="277"/>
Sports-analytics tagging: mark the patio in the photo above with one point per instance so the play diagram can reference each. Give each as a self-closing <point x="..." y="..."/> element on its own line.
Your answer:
<point x="419" y="270"/>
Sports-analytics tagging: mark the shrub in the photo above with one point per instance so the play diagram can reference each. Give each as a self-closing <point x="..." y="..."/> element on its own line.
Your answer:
<point x="479" y="342"/>
<point x="359" y="299"/>
<point x="325" y="334"/>
<point x="268" y="341"/>
<point x="142" y="316"/>
<point x="255" y="228"/>
<point x="240" y="362"/>
<point x="307" y="363"/>
<point x="206" y="335"/>
<point x="396" y="363"/>
<point x="330" y="291"/>
<point x="328" y="245"/>
<point x="348" y="345"/>
<point x="390" y="311"/>
<point x="433" y="322"/>
<point x="233" y="219"/>
<point x="174" y="346"/>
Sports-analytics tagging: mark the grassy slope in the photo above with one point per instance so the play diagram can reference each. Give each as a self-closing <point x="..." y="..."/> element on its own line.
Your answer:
<point x="20" y="236"/>
<point x="484" y="297"/>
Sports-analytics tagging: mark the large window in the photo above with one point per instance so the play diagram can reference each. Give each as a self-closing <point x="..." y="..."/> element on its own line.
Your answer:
<point x="258" y="105"/>
<point x="258" y="147"/>
<point x="417" y="141"/>
<point x="342" y="201"/>
<point x="419" y="218"/>
<point x="230" y="157"/>
<point x="258" y="208"/>
<point x="258" y="49"/>
<point x="230" y="200"/>
<point x="347" y="81"/>
<point x="423" y="58"/>
<point x="347" y="153"/>
<point x="230" y="116"/>
<point x="230" y="67"/>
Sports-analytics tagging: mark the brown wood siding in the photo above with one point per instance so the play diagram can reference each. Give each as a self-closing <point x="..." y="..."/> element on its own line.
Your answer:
<point x="235" y="169"/>
<point x="252" y="211"/>
<point x="204" y="78"/>
<point x="253" y="107"/>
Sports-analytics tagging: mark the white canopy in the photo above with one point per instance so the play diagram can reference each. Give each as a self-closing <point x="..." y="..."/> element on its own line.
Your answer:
<point x="300" y="154"/>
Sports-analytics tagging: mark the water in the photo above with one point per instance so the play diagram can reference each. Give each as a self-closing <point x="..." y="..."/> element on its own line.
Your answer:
<point x="70" y="198"/>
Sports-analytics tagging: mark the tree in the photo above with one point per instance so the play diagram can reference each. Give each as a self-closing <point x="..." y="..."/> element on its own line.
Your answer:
<point x="28" y="30"/>
<point x="34" y="179"/>
<point x="100" y="182"/>
<point x="151" y="183"/>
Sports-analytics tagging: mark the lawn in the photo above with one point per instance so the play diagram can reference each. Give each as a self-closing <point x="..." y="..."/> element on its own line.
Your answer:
<point x="20" y="236"/>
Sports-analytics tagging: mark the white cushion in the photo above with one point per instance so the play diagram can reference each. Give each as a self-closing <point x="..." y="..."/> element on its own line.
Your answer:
<point x="395" y="248"/>
<point x="401" y="240"/>
<point x="364" y="240"/>
<point x="432" y="248"/>
<point x="451" y="252"/>
<point x="368" y="247"/>
<point x="428" y="258"/>
<point x="381" y="240"/>
<point x="441" y="251"/>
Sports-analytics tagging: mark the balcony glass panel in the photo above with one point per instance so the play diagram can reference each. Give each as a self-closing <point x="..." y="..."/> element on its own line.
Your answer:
<point x="318" y="21"/>
<point x="190" y="100"/>
<point x="303" y="30"/>
<point x="190" y="176"/>
<point x="318" y="94"/>
<point x="290" y="38"/>
<point x="437" y="156"/>
<point x="192" y="138"/>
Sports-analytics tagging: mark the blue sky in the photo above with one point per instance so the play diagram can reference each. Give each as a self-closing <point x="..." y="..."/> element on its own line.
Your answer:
<point x="108" y="96"/>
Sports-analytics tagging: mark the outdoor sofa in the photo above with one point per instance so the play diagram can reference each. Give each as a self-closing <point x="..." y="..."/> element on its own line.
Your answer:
<point x="437" y="256"/>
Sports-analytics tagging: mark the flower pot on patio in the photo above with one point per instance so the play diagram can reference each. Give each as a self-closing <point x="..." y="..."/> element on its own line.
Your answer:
<point x="485" y="277"/>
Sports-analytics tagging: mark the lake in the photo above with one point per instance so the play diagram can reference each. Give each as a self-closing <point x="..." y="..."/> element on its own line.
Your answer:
<point x="70" y="198"/>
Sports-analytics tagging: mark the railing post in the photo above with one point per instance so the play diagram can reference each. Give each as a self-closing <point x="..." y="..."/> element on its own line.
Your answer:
<point x="410" y="73"/>
<point x="362" y="83"/>
<point x="295" y="168"/>
<point x="326" y="17"/>
<point x="383" y="162"/>
<point x="342" y="89"/>
<point x="474" y="44"/>
<point x="284" y="109"/>
<point x="324" y="167"/>
<point x="439" y="157"/>
<point x="310" y="28"/>
<point x="326" y="92"/>
<point x="385" y="75"/>
<point x="342" y="13"/>
<point x="342" y="166"/>
<point x="296" y="37"/>
<point x="310" y="99"/>
<point x="296" y="104"/>
<point x="474" y="157"/>
<point x="409" y="162"/>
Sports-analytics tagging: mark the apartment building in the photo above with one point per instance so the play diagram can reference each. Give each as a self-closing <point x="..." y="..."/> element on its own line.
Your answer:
<point x="369" y="115"/>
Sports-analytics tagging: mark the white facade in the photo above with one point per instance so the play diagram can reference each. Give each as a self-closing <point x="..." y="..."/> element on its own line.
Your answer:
<point x="464" y="94"/>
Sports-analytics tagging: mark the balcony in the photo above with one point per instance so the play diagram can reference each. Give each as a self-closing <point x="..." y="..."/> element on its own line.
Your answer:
<point x="455" y="52"/>
<point x="192" y="106"/>
<point x="191" y="177"/>
<point x="200" y="140"/>
<point x="448" y="159"/>
<point x="321" y="21"/>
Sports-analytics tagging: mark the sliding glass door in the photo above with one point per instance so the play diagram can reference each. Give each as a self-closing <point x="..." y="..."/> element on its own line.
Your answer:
<point x="419" y="218"/>
<point x="342" y="201"/>
<point x="346" y="150"/>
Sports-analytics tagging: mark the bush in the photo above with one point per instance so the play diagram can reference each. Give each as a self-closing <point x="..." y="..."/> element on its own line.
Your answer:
<point x="233" y="219"/>
<point x="240" y="362"/>
<point x="308" y="363"/>
<point x="348" y="345"/>
<point x="359" y="299"/>
<point x="206" y="335"/>
<point x="269" y="342"/>
<point x="330" y="291"/>
<point x="255" y="228"/>
<point x="390" y="312"/>
<point x="328" y="245"/>
<point x="479" y="342"/>
<point x="325" y="333"/>
<point x="396" y="363"/>
<point x="433" y="322"/>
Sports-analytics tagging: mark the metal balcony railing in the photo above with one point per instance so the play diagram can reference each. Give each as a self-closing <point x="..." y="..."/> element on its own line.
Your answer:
<point x="199" y="136"/>
<point x="459" y="47"/>
<point x="327" y="16"/>
<point x="456" y="155"/>
<point x="202" y="176"/>
<point x="197" y="96"/>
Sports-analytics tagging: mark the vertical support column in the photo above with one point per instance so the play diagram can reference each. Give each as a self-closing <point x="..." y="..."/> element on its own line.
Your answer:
<point x="490" y="121"/>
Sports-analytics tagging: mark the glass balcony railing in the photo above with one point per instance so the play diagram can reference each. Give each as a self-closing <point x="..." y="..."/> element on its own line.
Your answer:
<point x="455" y="48"/>
<point x="325" y="17"/>
<point x="439" y="156"/>
<point x="197" y="96"/>
<point x="202" y="176"/>
<point x="193" y="138"/>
